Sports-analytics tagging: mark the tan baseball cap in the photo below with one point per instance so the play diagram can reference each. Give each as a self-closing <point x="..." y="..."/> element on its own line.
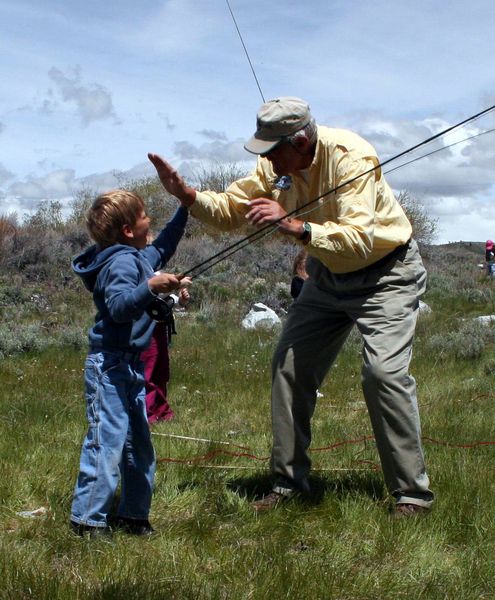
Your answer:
<point x="277" y="119"/>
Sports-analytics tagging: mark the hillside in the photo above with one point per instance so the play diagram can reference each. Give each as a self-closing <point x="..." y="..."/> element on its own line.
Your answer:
<point x="213" y="456"/>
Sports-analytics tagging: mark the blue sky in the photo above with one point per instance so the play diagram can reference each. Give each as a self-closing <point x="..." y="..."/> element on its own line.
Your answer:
<point x="88" y="88"/>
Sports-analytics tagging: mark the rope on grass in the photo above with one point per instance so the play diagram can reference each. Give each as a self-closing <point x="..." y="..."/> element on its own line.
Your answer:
<point x="475" y="444"/>
<point x="195" y="461"/>
<point x="195" y="439"/>
<point x="254" y="468"/>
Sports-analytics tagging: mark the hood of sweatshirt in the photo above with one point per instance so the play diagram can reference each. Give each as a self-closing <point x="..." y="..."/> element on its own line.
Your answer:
<point x="89" y="263"/>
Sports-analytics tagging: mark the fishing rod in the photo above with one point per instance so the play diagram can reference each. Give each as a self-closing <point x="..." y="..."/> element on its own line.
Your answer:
<point x="466" y="139"/>
<point x="270" y="227"/>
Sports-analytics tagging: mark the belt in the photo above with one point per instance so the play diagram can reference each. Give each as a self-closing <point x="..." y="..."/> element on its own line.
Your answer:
<point x="398" y="252"/>
<point x="124" y="355"/>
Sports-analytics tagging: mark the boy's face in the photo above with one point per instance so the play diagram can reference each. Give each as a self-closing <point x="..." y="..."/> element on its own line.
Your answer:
<point x="137" y="235"/>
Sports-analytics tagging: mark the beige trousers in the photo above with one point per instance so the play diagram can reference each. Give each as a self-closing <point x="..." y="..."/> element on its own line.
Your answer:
<point x="382" y="301"/>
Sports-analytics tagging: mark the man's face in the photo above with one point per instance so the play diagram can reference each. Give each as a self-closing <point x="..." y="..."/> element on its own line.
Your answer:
<point x="284" y="158"/>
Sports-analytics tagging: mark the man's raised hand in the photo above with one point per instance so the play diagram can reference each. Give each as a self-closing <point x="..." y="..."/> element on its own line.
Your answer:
<point x="172" y="181"/>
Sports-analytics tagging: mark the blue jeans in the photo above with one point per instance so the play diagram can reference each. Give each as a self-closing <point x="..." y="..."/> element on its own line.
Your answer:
<point x="117" y="445"/>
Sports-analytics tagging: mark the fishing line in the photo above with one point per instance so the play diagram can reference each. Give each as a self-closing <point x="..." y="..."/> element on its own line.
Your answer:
<point x="239" y="245"/>
<point x="471" y="137"/>
<point x="245" y="50"/>
<point x="271" y="227"/>
<point x="409" y="162"/>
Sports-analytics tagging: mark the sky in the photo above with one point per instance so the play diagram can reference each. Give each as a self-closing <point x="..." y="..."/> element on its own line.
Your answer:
<point x="89" y="88"/>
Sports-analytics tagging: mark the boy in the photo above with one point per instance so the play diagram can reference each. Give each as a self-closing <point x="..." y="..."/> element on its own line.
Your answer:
<point x="119" y="271"/>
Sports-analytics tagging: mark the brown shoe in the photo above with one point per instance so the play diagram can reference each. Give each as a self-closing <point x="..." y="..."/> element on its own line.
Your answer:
<point x="409" y="510"/>
<point x="271" y="500"/>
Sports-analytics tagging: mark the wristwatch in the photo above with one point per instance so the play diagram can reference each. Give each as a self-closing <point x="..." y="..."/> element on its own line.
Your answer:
<point x="306" y="234"/>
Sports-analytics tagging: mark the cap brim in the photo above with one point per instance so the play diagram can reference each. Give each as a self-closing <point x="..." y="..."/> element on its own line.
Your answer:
<point x="256" y="146"/>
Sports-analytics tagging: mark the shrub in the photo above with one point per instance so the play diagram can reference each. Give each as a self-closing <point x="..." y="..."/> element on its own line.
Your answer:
<point x="15" y="338"/>
<point x="208" y="313"/>
<point x="76" y="238"/>
<point x="47" y="216"/>
<point x="490" y="367"/>
<point x="40" y="254"/>
<point x="424" y="227"/>
<point x="13" y="295"/>
<point x="79" y="207"/>
<point x="74" y="337"/>
<point x="8" y="230"/>
<point x="466" y="343"/>
<point x="477" y="295"/>
<point x="217" y="177"/>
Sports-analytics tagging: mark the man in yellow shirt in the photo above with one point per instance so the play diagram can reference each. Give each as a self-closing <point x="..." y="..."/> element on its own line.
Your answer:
<point x="364" y="270"/>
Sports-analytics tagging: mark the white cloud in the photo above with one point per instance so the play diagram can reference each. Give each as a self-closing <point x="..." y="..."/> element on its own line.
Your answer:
<point x="54" y="185"/>
<point x="213" y="135"/>
<point x="93" y="102"/>
<point x="465" y="170"/>
<point x="168" y="124"/>
<point x="176" y="75"/>
<point x="468" y="219"/>
<point x="219" y="151"/>
<point x="5" y="174"/>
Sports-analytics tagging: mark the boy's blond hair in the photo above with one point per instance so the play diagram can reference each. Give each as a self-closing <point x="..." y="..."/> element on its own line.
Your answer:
<point x="110" y="212"/>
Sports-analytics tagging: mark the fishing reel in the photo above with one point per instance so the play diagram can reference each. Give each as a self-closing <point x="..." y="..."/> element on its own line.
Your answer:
<point x="160" y="309"/>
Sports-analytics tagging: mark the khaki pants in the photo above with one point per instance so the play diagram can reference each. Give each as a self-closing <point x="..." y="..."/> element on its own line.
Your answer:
<point x="382" y="301"/>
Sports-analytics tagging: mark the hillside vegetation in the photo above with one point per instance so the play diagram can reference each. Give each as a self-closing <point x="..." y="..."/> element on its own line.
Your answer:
<point x="212" y="457"/>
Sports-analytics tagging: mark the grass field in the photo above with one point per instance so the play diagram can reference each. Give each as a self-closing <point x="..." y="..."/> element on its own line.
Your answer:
<point x="209" y="543"/>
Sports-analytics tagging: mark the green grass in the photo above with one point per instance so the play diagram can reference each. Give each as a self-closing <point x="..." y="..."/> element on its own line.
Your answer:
<point x="209" y="544"/>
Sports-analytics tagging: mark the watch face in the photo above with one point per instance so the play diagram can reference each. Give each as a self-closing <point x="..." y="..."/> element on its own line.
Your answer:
<point x="306" y="231"/>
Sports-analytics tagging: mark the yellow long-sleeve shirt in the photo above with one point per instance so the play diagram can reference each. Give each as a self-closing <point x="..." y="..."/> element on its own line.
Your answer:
<point x="351" y="228"/>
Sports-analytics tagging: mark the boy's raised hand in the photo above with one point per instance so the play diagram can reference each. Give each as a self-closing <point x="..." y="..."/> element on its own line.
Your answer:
<point x="172" y="181"/>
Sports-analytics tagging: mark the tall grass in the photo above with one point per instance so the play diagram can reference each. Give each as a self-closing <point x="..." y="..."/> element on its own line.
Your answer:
<point x="342" y="544"/>
<point x="209" y="544"/>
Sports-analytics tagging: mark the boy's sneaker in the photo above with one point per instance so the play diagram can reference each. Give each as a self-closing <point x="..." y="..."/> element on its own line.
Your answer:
<point x="90" y="531"/>
<point x="141" y="527"/>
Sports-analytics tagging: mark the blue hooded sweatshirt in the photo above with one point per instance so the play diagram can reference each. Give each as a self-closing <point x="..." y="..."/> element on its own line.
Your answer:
<point x="118" y="278"/>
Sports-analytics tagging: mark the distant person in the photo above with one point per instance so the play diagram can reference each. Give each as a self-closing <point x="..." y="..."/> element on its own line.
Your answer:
<point x="157" y="362"/>
<point x="490" y="258"/>
<point x="299" y="273"/>
<point x="119" y="271"/>
<point x="364" y="270"/>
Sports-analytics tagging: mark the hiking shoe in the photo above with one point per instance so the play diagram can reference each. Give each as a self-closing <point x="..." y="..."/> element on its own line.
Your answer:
<point x="409" y="510"/>
<point x="140" y="527"/>
<point x="90" y="531"/>
<point x="271" y="500"/>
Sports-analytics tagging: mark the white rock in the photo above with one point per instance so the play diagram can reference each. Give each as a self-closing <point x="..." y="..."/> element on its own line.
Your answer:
<point x="261" y="317"/>
<point x="486" y="319"/>
<point x="32" y="514"/>
<point x="424" y="308"/>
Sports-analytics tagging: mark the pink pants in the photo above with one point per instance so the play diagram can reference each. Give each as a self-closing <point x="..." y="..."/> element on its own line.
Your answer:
<point x="157" y="374"/>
